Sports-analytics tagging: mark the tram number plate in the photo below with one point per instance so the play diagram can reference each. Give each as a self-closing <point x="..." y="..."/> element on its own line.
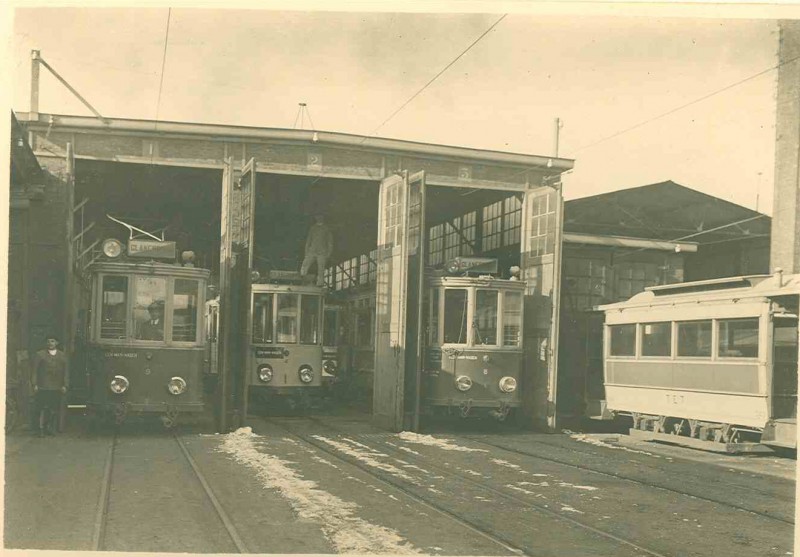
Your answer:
<point x="269" y="353"/>
<point x="674" y="399"/>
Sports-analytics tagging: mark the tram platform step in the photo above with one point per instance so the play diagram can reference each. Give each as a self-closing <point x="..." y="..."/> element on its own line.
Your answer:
<point x="732" y="448"/>
<point x="781" y="433"/>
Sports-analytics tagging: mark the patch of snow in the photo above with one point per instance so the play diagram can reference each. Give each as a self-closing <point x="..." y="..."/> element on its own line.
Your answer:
<point x="324" y="461"/>
<point x="539" y="484"/>
<point x="472" y="473"/>
<point x="521" y="489"/>
<point x="568" y="509"/>
<point x="445" y="444"/>
<point x="506" y="464"/>
<point x="337" y="518"/>
<point x="368" y="458"/>
<point x="540" y="475"/>
<point x="573" y="486"/>
<point x="596" y="442"/>
<point x="289" y="440"/>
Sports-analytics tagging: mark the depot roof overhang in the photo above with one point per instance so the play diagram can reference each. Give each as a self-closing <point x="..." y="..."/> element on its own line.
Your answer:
<point x="552" y="165"/>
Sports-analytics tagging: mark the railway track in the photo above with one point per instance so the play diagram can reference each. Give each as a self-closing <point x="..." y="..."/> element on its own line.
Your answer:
<point x="628" y="478"/>
<point x="102" y="540"/>
<point x="461" y="479"/>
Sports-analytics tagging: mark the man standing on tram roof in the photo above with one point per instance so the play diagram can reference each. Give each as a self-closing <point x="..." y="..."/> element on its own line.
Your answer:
<point x="49" y="383"/>
<point x="153" y="329"/>
<point x="319" y="246"/>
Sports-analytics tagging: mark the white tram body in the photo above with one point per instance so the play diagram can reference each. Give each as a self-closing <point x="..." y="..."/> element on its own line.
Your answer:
<point x="711" y="360"/>
<point x="285" y="332"/>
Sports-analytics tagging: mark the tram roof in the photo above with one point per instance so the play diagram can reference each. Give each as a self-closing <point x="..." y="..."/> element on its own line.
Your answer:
<point x="159" y="268"/>
<point x="748" y="286"/>
<point x="318" y="137"/>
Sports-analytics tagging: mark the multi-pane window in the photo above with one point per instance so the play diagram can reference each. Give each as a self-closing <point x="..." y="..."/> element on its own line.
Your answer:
<point x="484" y="325"/>
<point x="436" y="245"/>
<point x="512" y="319"/>
<point x="622" y="340"/>
<point x="455" y="316"/>
<point x="262" y="318"/>
<point x="542" y="231"/>
<point x="586" y="282"/>
<point x="184" y="310"/>
<point x="657" y="339"/>
<point x="459" y="236"/>
<point x="512" y="220"/>
<point x="694" y="339"/>
<point x="392" y="215"/>
<point x="113" y="322"/>
<point x="633" y="278"/>
<point x="493" y="226"/>
<point x="738" y="338"/>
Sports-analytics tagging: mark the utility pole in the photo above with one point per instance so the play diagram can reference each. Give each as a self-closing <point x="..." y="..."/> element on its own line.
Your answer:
<point x="558" y="126"/>
<point x="35" y="83"/>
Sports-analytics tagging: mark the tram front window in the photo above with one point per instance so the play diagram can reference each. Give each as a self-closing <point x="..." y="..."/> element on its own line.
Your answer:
<point x="512" y="318"/>
<point x="149" y="307"/>
<point x="184" y="310"/>
<point x="287" y="318"/>
<point x="329" y="328"/>
<point x="309" y="319"/>
<point x="484" y="324"/>
<point x="112" y="314"/>
<point x="455" y="316"/>
<point x="262" y="318"/>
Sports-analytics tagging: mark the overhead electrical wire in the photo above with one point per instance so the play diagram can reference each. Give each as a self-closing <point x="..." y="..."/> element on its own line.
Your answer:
<point x="163" y="64"/>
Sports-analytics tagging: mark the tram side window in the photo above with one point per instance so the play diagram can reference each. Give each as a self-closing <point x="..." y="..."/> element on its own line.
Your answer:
<point x="148" y="310"/>
<point x="184" y="310"/>
<point x="484" y="323"/>
<point x="656" y="339"/>
<point x="623" y="340"/>
<point x="287" y="318"/>
<point x="309" y="319"/>
<point x="738" y="338"/>
<point x="694" y="339"/>
<point x="455" y="316"/>
<point x="262" y="318"/>
<point x="112" y="314"/>
<point x="512" y="319"/>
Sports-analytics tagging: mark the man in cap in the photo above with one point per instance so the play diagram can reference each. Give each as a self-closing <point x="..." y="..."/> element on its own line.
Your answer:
<point x="153" y="329"/>
<point x="49" y="383"/>
<point x="319" y="246"/>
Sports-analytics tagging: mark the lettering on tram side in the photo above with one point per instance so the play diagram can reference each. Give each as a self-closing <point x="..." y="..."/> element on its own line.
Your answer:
<point x="121" y="354"/>
<point x="269" y="353"/>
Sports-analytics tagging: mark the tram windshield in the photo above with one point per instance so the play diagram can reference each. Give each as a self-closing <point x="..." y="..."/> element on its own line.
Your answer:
<point x="484" y="324"/>
<point x="286" y="318"/>
<point x="149" y="301"/>
<point x="455" y="316"/>
<point x="475" y="317"/>
<point x="113" y="324"/>
<point x="185" y="299"/>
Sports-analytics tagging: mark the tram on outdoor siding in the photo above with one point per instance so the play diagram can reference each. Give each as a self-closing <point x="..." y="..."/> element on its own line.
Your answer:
<point x="147" y="336"/>
<point x="284" y="357"/>
<point x="710" y="361"/>
<point x="474" y="342"/>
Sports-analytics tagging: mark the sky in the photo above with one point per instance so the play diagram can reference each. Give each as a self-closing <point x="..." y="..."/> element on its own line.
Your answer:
<point x="600" y="74"/>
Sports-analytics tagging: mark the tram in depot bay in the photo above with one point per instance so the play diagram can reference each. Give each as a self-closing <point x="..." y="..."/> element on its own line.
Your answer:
<point x="707" y="362"/>
<point x="146" y="339"/>
<point x="284" y="357"/>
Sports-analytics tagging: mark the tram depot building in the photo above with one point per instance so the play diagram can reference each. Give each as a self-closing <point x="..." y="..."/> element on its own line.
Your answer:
<point x="243" y="199"/>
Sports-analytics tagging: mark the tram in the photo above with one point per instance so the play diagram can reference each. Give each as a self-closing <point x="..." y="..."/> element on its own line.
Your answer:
<point x="285" y="332"/>
<point x="474" y="343"/>
<point x="331" y="338"/>
<point x="146" y="338"/>
<point x="707" y="362"/>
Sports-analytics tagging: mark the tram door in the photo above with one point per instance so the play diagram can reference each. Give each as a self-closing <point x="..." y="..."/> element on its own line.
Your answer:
<point x="784" y="367"/>
<point x="398" y="306"/>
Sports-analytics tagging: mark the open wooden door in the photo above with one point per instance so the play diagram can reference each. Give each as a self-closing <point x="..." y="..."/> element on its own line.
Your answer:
<point x="541" y="269"/>
<point x="400" y="259"/>
<point x="225" y="351"/>
<point x="246" y="186"/>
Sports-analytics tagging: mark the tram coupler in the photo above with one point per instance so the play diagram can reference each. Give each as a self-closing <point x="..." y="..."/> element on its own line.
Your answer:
<point x="464" y="407"/>
<point x="500" y="414"/>
<point x="170" y="417"/>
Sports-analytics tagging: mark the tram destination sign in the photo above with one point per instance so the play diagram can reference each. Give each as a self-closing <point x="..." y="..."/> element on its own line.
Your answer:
<point x="152" y="249"/>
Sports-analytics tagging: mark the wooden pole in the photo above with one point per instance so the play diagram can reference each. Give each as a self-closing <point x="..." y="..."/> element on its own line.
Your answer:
<point x="35" y="58"/>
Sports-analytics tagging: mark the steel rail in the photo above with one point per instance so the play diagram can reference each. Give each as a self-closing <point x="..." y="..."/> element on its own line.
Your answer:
<point x="99" y="531"/>
<point x="587" y="468"/>
<point x="508" y="546"/>
<point x="223" y="516"/>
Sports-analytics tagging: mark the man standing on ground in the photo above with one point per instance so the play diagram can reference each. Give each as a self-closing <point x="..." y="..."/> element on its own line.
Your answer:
<point x="49" y="383"/>
<point x="319" y="246"/>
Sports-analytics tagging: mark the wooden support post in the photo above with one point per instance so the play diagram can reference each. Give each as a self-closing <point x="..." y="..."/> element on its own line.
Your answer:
<point x="35" y="84"/>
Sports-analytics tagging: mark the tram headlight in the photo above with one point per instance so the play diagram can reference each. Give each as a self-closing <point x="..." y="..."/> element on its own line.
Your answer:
<point x="119" y="384"/>
<point x="176" y="386"/>
<point x="329" y="366"/>
<point x="463" y="383"/>
<point x="306" y="373"/>
<point x="265" y="373"/>
<point x="112" y="248"/>
<point x="508" y="384"/>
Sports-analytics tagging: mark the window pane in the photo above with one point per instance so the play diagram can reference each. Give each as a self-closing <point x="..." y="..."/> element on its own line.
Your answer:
<point x="656" y="339"/>
<point x="329" y="327"/>
<point x="623" y="340"/>
<point x="287" y="318"/>
<point x="694" y="339"/>
<point x="433" y="325"/>
<point x="455" y="316"/>
<point x="112" y="315"/>
<point x="484" y="325"/>
<point x="184" y="310"/>
<point x="309" y="319"/>
<point x="738" y="338"/>
<point x="262" y="318"/>
<point x="512" y="319"/>
<point x="148" y="309"/>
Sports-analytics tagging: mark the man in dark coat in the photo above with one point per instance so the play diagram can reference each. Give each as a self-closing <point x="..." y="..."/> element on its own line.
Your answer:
<point x="49" y="384"/>
<point x="153" y="329"/>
